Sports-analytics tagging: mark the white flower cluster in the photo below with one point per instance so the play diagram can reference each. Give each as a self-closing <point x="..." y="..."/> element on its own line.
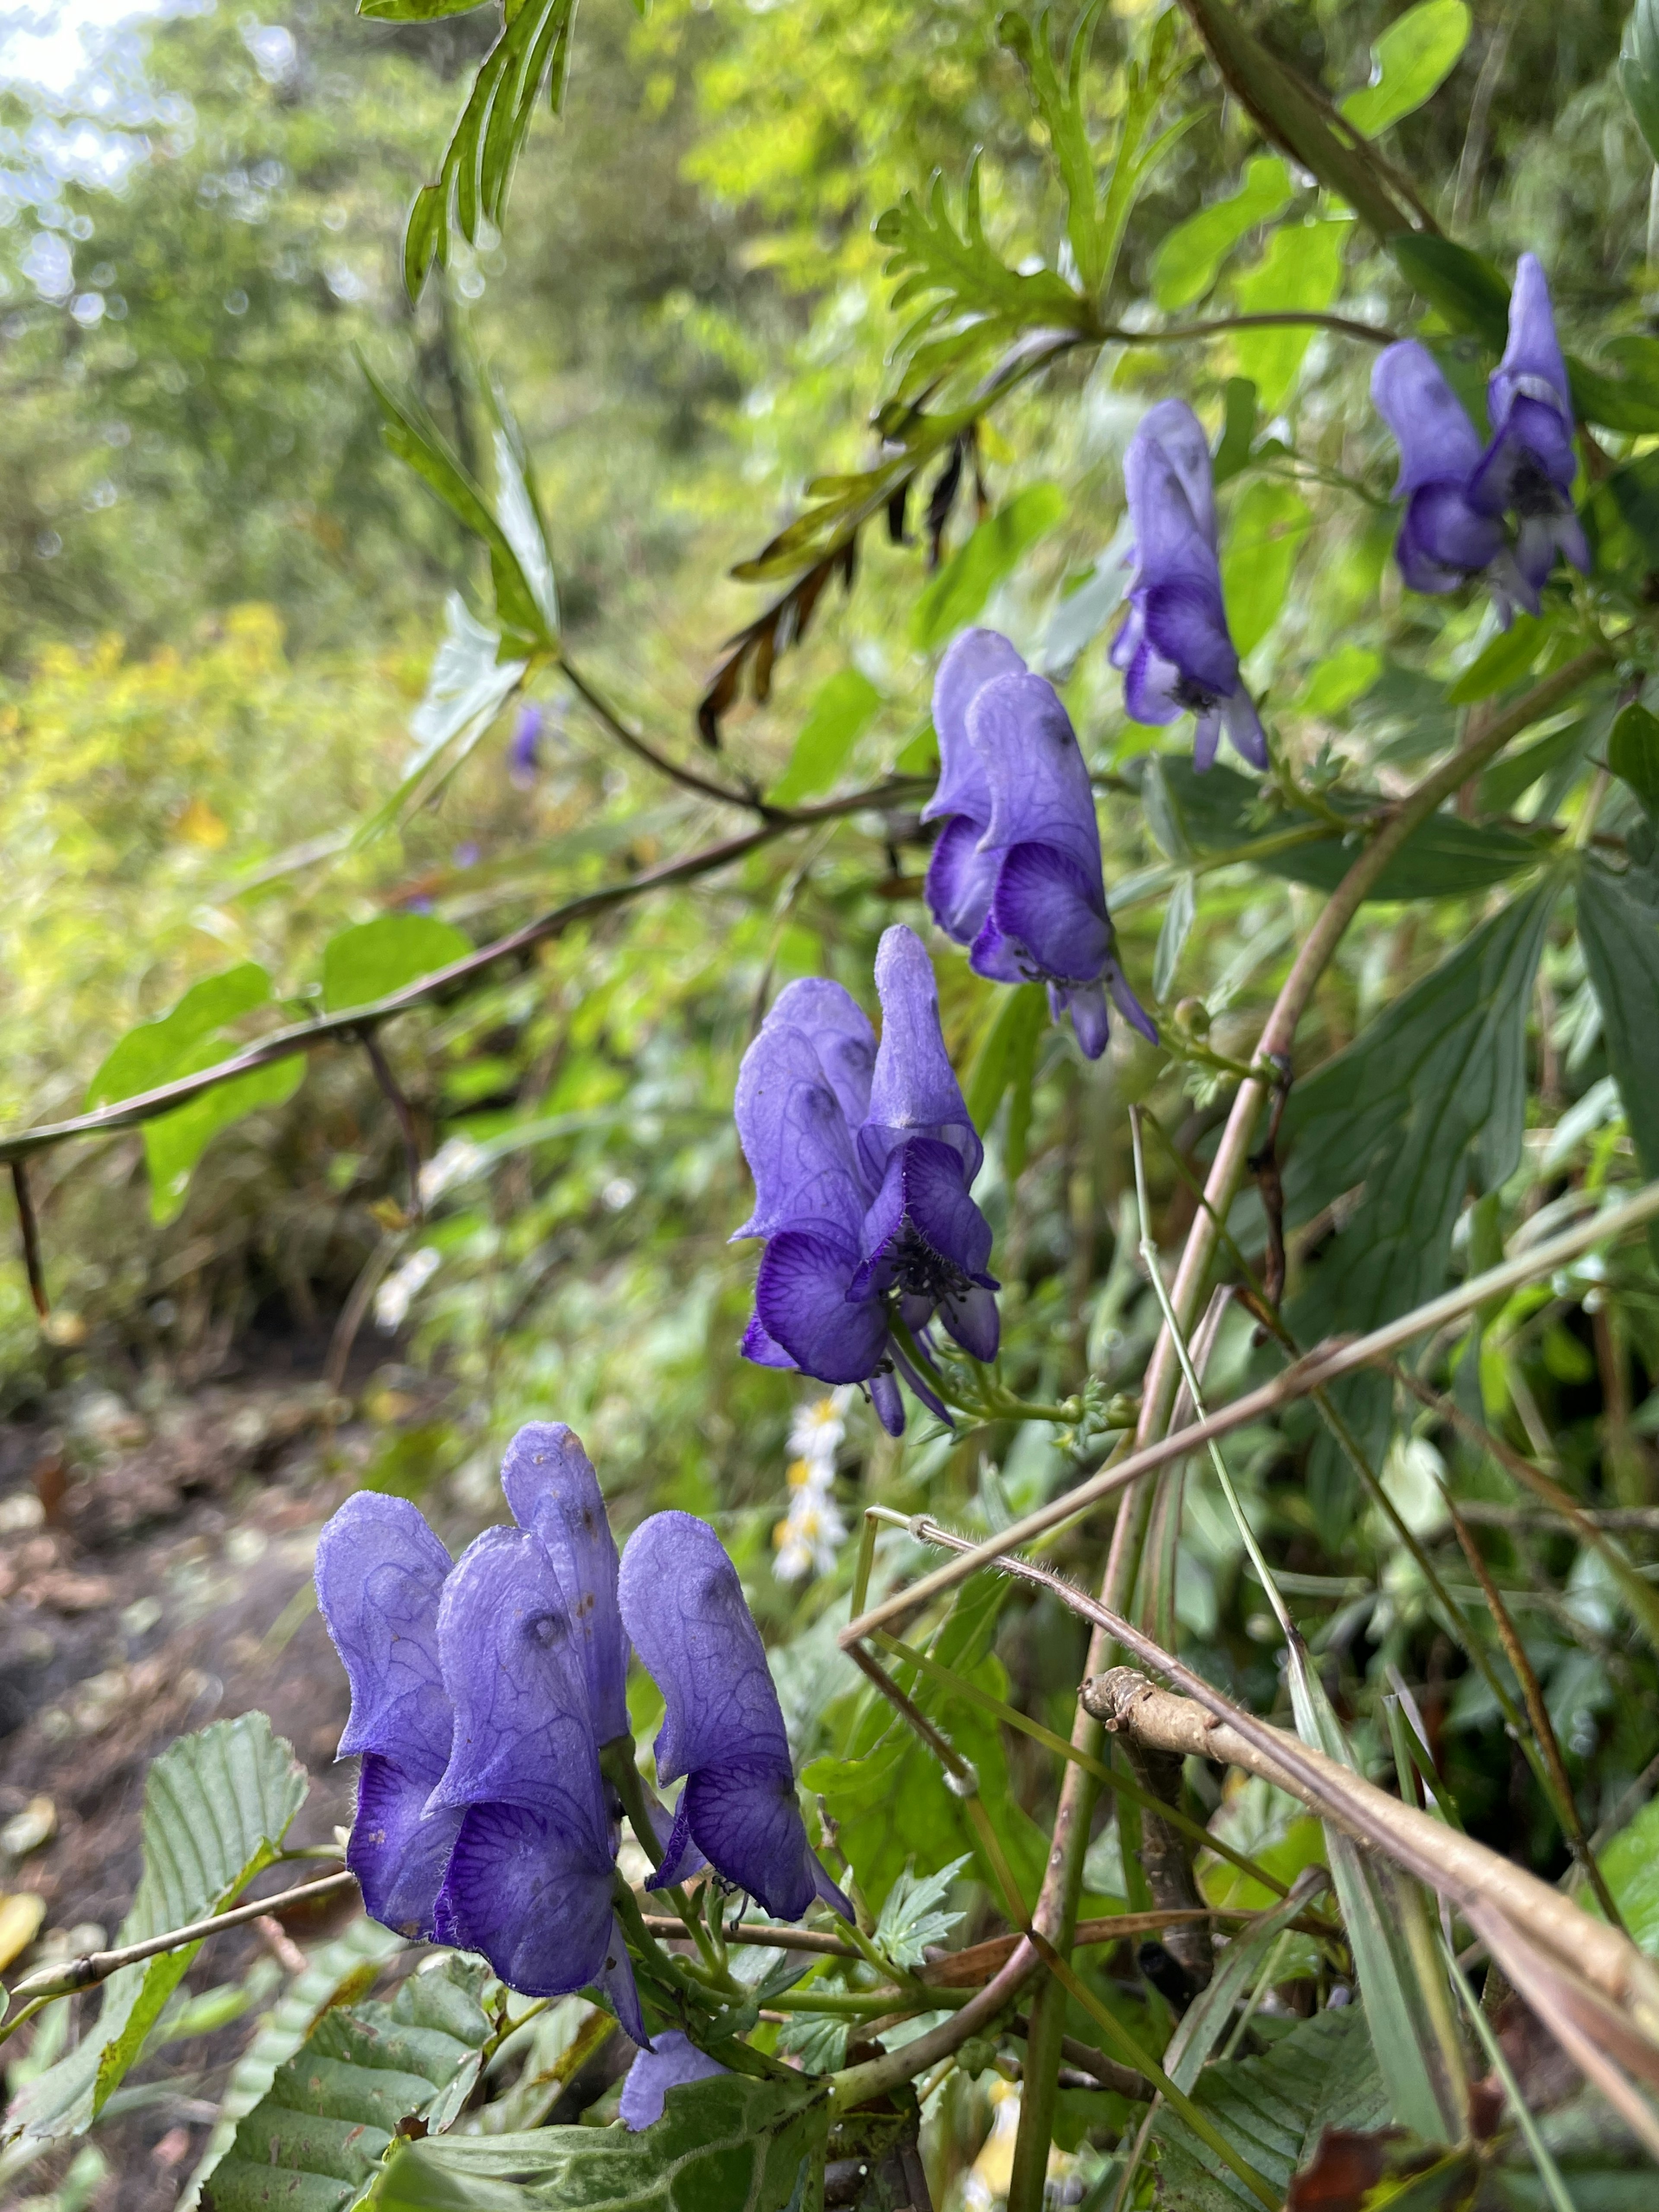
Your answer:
<point x="813" y="1531"/>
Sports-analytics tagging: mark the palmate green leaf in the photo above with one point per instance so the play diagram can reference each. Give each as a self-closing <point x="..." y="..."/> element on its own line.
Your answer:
<point x="1618" y="932"/>
<point x="1190" y="256"/>
<point x="1274" y="2108"/>
<point x="1265" y="531"/>
<point x="1410" y="62"/>
<point x="1639" y="70"/>
<point x="468" y="685"/>
<point x="910" y="1919"/>
<point x="371" y="959"/>
<point x="968" y="578"/>
<point x="729" y="2144"/>
<point x="533" y="53"/>
<point x="216" y="1807"/>
<point x="836" y="721"/>
<point x="190" y="1037"/>
<point x="1302" y="269"/>
<point x="1426" y="1103"/>
<point x="314" y="2141"/>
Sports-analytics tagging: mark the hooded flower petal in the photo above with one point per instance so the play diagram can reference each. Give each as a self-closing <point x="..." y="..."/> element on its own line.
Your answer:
<point x="672" y="2062"/>
<point x="924" y="1236"/>
<point x="722" y="1726"/>
<point x="795" y="1137"/>
<point x="1438" y="444"/>
<point x="529" y="1880"/>
<point x="380" y="1572"/>
<point x="804" y="1304"/>
<point x="960" y="880"/>
<point x="1531" y="367"/>
<point x="1054" y="913"/>
<point x="552" y="1489"/>
<point x="916" y="1091"/>
<point x="1530" y="467"/>
<point x="1176" y="432"/>
<point x="841" y="1035"/>
<point x="1040" y="789"/>
<point x="975" y="657"/>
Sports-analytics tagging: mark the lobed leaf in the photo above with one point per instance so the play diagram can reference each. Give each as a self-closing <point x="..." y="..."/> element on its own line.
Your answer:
<point x="1190" y="256"/>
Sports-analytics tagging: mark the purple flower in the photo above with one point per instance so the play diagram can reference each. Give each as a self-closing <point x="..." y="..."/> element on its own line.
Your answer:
<point x="524" y="747"/>
<point x="1016" y="874"/>
<point x="671" y="2062"/>
<point x="1174" y="649"/>
<point x="862" y="1159"/>
<point x="722" y="1726"/>
<point x="551" y="1489"/>
<point x="1529" y="466"/>
<point x="1444" y="540"/>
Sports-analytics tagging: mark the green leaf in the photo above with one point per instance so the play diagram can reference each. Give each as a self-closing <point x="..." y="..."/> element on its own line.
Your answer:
<point x="1620" y="934"/>
<point x="1238" y="422"/>
<point x="532" y="55"/>
<point x="910" y="1919"/>
<point x="1630" y="1863"/>
<point x="371" y="959"/>
<point x="1337" y="680"/>
<point x="216" y="1807"/>
<point x="527" y="616"/>
<point x="1623" y="520"/>
<point x="1467" y="292"/>
<point x="1236" y="1972"/>
<point x="1274" y="2109"/>
<point x="1264" y="535"/>
<point x="413" y="11"/>
<point x="728" y="2144"/>
<point x="1021" y="1016"/>
<point x="1177" y="929"/>
<point x="1633" y="753"/>
<point x="181" y="1043"/>
<point x="334" y="1973"/>
<point x="1187" y="261"/>
<point x="1425" y="1103"/>
<point x="1410" y="62"/>
<point x="519" y="511"/>
<point x="1301" y="269"/>
<point x="466" y="688"/>
<point x="1639" y="70"/>
<point x="1504" y="661"/>
<point x="834" y="722"/>
<point x="314" y="2140"/>
<point x="968" y="578"/>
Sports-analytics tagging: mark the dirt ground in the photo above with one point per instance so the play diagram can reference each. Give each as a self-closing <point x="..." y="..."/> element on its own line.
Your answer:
<point x="155" y="1576"/>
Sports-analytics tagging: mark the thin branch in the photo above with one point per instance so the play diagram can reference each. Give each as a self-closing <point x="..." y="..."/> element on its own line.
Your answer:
<point x="394" y="1092"/>
<point x="687" y="778"/>
<point x="1180" y="333"/>
<point x="664" y="1926"/>
<point x="1322" y="1365"/>
<point x="460" y="975"/>
<point x="94" y="1966"/>
<point x="31" y="1233"/>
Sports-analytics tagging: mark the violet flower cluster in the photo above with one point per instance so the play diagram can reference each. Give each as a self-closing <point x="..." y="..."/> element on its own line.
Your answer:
<point x="1174" y="649"/>
<point x="1458" y="495"/>
<point x="1016" y="874"/>
<point x="863" y="1158"/>
<point x="483" y="1691"/>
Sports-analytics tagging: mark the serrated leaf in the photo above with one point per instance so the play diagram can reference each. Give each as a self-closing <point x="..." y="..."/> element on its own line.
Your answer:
<point x="216" y="1807"/>
<point x="1265" y="532"/>
<point x="728" y="2144"/>
<point x="336" y="1973"/>
<point x="1467" y="291"/>
<point x="314" y="2141"/>
<point x="1639" y="70"/>
<point x="1302" y="269"/>
<point x="836" y="721"/>
<point x="1410" y="62"/>
<point x="1425" y="1103"/>
<point x="909" y="1919"/>
<point x="466" y="688"/>
<point x="1620" y="934"/>
<point x="371" y="959"/>
<point x="1190" y="257"/>
<point x="1273" y="2109"/>
<point x="968" y="578"/>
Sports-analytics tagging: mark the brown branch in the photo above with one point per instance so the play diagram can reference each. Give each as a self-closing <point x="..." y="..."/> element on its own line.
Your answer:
<point x="687" y="778"/>
<point x="30" y="1229"/>
<point x="394" y="1092"/>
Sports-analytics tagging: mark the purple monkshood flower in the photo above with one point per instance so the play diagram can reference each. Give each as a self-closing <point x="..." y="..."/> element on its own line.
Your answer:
<point x="722" y="1725"/>
<point x="1174" y="649"/>
<point x="671" y="2061"/>
<point x="1529" y="466"/>
<point x="1016" y="875"/>
<point x="1457" y="496"/>
<point x="524" y="748"/>
<point x="863" y="1159"/>
<point x="480" y="1694"/>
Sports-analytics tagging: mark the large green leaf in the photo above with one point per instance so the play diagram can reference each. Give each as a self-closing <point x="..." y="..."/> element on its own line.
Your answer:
<point x="1274" y="2109"/>
<point x="314" y="2140"/>
<point x="1188" y="259"/>
<point x="216" y="1807"/>
<point x="834" y="722"/>
<point x="1620" y="933"/>
<point x="1265" y="532"/>
<point x="968" y="578"/>
<point x="1410" y="62"/>
<point x="1469" y="293"/>
<point x="1427" y="1102"/>
<point x="1630" y="1863"/>
<point x="729" y="2144"/>
<point x="371" y="959"/>
<point x="1302" y="269"/>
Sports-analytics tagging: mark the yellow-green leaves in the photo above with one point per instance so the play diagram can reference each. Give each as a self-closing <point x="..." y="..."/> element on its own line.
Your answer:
<point x="837" y="718"/>
<point x="1264" y="535"/>
<point x="373" y="958"/>
<point x="1301" y="271"/>
<point x="968" y="578"/>
<point x="1410" y="62"/>
<point x="1186" y="263"/>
